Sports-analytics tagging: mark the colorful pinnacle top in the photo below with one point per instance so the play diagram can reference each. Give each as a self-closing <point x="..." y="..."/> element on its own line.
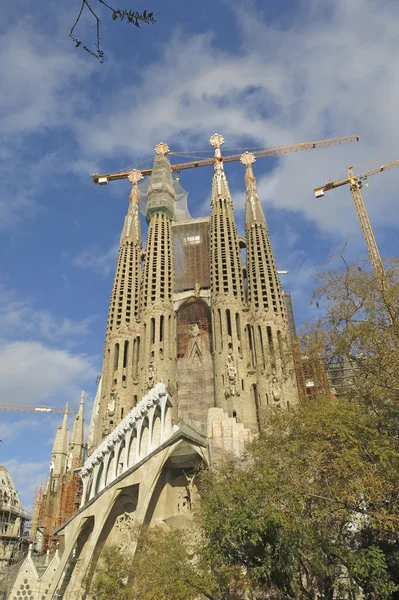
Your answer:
<point x="162" y="149"/>
<point x="135" y="176"/>
<point x="247" y="159"/>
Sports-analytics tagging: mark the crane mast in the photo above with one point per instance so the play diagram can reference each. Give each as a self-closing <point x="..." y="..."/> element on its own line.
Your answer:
<point x="355" y="184"/>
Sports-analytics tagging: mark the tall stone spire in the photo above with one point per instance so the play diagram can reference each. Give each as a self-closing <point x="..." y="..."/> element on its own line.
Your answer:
<point x="120" y="373"/>
<point x="264" y="288"/>
<point x="270" y="349"/>
<point x="76" y="444"/>
<point x="158" y="316"/>
<point x="60" y="450"/>
<point x="228" y="301"/>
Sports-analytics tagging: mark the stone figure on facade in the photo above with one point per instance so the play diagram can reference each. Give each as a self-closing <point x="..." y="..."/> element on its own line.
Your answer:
<point x="276" y="389"/>
<point x="150" y="377"/>
<point x="231" y="385"/>
<point x="112" y="404"/>
<point x="185" y="500"/>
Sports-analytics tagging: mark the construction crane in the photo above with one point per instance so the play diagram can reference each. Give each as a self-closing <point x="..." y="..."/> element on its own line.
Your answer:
<point x="355" y="184"/>
<point x="104" y="179"/>
<point x="56" y="410"/>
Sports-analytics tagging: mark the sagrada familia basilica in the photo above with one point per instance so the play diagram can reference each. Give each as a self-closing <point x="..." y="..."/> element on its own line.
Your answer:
<point x="197" y="347"/>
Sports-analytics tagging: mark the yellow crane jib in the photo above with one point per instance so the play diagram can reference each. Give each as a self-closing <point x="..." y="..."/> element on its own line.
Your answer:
<point x="204" y="162"/>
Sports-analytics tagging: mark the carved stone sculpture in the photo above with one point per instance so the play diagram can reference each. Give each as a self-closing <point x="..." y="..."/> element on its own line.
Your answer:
<point x="112" y="404"/>
<point x="231" y="387"/>
<point x="276" y="390"/>
<point x="150" y="377"/>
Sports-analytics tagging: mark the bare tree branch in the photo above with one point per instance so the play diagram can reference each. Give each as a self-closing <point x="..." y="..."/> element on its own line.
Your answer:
<point x="130" y="16"/>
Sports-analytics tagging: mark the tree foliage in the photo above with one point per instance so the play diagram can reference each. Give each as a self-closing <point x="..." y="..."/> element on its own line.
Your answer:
<point x="314" y="506"/>
<point x="359" y="330"/>
<point x="167" y="564"/>
<point x="117" y="14"/>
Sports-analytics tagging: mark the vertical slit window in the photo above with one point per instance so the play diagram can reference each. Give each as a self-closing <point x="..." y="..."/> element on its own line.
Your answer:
<point x="125" y="354"/>
<point x="220" y="329"/>
<point x="116" y="357"/>
<point x="281" y="349"/>
<point x="238" y="327"/>
<point x="161" y="322"/>
<point x="261" y="343"/>
<point x="152" y="330"/>
<point x="138" y="355"/>
<point x="271" y="346"/>
<point x="228" y="319"/>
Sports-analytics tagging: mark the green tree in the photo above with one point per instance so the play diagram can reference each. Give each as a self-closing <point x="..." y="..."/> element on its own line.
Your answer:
<point x="167" y="564"/>
<point x="308" y="512"/>
<point x="359" y="330"/>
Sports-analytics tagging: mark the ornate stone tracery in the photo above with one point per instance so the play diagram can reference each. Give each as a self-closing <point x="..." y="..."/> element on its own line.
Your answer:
<point x="96" y="474"/>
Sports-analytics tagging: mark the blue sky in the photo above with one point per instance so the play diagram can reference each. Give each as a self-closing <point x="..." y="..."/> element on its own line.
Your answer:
<point x="261" y="73"/>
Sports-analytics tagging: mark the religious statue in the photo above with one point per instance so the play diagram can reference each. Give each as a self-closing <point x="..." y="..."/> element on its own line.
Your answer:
<point x="184" y="503"/>
<point x="150" y="377"/>
<point x="231" y="386"/>
<point x="276" y="390"/>
<point x="112" y="404"/>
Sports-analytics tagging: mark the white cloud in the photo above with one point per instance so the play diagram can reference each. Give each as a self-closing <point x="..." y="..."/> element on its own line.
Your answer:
<point x="31" y="372"/>
<point x="323" y="77"/>
<point x="41" y="77"/>
<point x="19" y="318"/>
<point x="96" y="260"/>
<point x="11" y="431"/>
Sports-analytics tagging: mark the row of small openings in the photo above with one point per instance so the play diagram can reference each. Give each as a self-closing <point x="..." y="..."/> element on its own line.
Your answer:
<point x="161" y="329"/>
<point x="125" y="355"/>
<point x="219" y="225"/>
<point x="135" y="354"/>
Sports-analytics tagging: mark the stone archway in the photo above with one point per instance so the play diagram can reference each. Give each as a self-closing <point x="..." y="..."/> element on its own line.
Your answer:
<point x="173" y="497"/>
<point x="119" y="527"/>
<point x="72" y="566"/>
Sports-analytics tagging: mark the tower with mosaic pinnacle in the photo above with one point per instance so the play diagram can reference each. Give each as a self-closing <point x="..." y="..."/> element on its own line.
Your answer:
<point x="158" y="360"/>
<point x="232" y="392"/>
<point x="119" y="390"/>
<point x="268" y="329"/>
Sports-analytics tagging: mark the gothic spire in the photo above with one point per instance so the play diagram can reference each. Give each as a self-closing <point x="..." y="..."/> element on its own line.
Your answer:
<point x="119" y="390"/>
<point x="253" y="207"/>
<point x="157" y="311"/>
<point x="76" y="445"/>
<point x="60" y="448"/>
<point x="131" y="229"/>
<point x="264" y="288"/>
<point x="226" y="269"/>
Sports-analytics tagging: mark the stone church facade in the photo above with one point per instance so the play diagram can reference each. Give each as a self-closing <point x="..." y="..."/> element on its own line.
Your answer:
<point x="197" y="347"/>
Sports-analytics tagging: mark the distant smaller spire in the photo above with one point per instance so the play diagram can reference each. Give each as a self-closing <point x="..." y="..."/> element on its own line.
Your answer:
<point x="60" y="448"/>
<point x="76" y="445"/>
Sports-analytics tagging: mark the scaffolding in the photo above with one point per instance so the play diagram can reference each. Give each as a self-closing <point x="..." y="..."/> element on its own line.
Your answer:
<point x="191" y="245"/>
<point x="14" y="538"/>
<point x="194" y="363"/>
